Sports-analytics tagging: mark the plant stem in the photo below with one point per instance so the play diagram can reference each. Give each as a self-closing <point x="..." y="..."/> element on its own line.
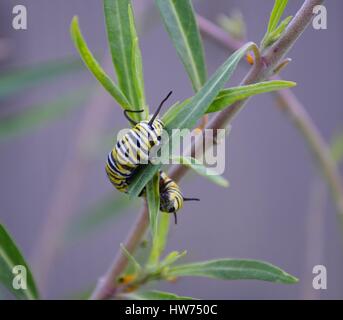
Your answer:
<point x="262" y="70"/>
<point x="106" y="285"/>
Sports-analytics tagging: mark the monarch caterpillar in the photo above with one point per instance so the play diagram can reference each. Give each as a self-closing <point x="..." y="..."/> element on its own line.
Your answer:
<point x="131" y="149"/>
<point x="171" y="198"/>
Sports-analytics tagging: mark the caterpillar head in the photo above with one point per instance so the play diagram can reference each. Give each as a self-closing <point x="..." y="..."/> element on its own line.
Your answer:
<point x="169" y="203"/>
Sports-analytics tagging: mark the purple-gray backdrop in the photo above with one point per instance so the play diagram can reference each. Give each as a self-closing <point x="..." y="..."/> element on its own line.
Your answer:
<point x="264" y="213"/>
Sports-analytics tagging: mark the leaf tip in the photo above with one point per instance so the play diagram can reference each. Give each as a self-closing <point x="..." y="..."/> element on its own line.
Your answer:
<point x="289" y="279"/>
<point x="287" y="84"/>
<point x="225" y="183"/>
<point x="74" y="27"/>
<point x="74" y="22"/>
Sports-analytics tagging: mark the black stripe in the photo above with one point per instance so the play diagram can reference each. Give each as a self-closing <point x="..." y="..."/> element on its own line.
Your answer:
<point x="116" y="169"/>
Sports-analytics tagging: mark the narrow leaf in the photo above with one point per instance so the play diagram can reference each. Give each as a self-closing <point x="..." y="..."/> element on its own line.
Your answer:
<point x="160" y="239"/>
<point x="15" y="81"/>
<point x="94" y="66"/>
<point x="153" y="295"/>
<point x="11" y="257"/>
<point x="276" y="14"/>
<point x="171" y="113"/>
<point x="122" y="40"/>
<point x="229" y="269"/>
<point x="191" y="113"/>
<point x="172" y="257"/>
<point x="138" y="79"/>
<point x="178" y="17"/>
<point x="273" y="36"/>
<point x="197" y="106"/>
<point x="281" y="27"/>
<point x="200" y="169"/>
<point x="37" y="116"/>
<point x="153" y="200"/>
<point x="229" y="96"/>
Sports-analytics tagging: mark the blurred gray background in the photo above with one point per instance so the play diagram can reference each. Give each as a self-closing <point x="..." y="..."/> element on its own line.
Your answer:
<point x="264" y="214"/>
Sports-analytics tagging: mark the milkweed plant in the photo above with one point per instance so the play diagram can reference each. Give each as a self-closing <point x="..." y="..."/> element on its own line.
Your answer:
<point x="212" y="105"/>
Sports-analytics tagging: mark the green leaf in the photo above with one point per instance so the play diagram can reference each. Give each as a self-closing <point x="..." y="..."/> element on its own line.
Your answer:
<point x="138" y="78"/>
<point x="125" y="52"/>
<point x="276" y="34"/>
<point x="227" y="97"/>
<point x="172" y="257"/>
<point x="276" y="14"/>
<point x="25" y="78"/>
<point x="153" y="200"/>
<point x="98" y="216"/>
<point x="337" y="148"/>
<point x="37" y="116"/>
<point x="191" y="113"/>
<point x="281" y="28"/>
<point x="274" y="30"/>
<point x="230" y="269"/>
<point x="94" y="66"/>
<point x="10" y="257"/>
<point x="231" y="95"/>
<point x="160" y="239"/>
<point x="197" y="106"/>
<point x="178" y="17"/>
<point x="171" y="113"/>
<point x="200" y="169"/>
<point x="153" y="295"/>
